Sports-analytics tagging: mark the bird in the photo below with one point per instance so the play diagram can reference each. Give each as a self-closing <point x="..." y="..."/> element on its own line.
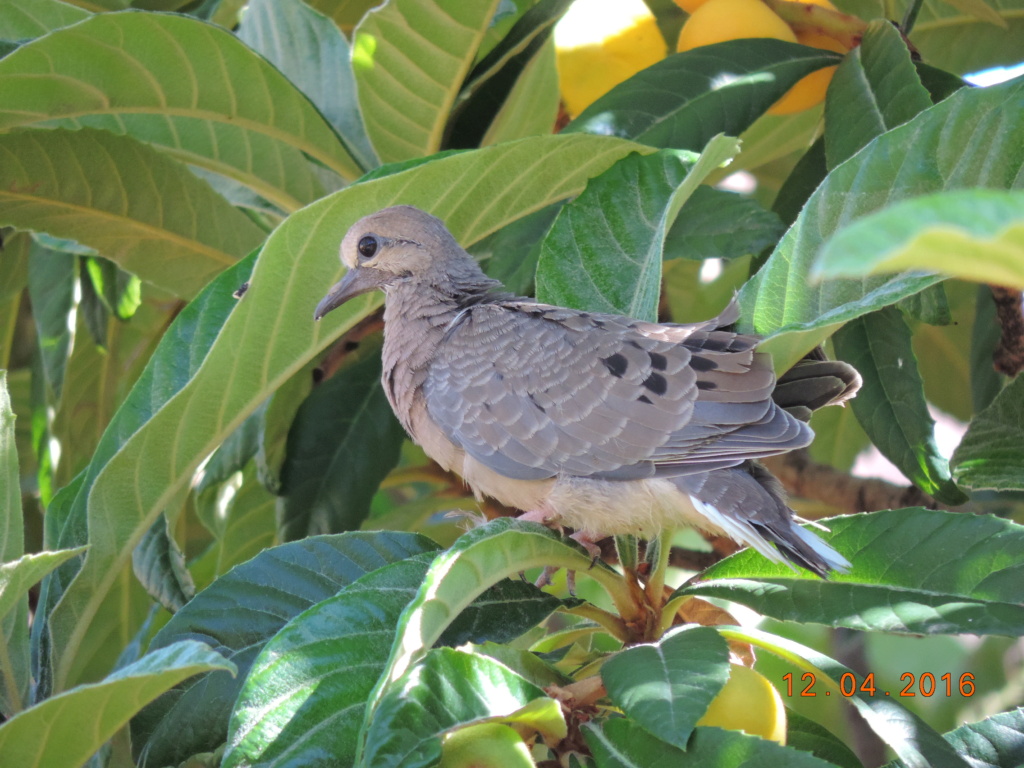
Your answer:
<point x="595" y="422"/>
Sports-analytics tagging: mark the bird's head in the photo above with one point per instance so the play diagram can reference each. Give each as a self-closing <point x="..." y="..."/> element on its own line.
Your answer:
<point x="393" y="246"/>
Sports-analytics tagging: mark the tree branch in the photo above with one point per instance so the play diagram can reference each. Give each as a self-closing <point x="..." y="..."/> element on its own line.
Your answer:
<point x="801" y="476"/>
<point x="1009" y="355"/>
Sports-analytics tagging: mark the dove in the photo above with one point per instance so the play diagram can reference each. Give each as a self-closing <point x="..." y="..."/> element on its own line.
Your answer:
<point x="595" y="422"/>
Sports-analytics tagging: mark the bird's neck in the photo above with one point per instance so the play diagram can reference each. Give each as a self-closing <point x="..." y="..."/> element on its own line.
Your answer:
<point x="415" y="320"/>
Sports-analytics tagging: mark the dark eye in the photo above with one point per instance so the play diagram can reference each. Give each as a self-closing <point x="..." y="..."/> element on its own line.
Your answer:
<point x="368" y="246"/>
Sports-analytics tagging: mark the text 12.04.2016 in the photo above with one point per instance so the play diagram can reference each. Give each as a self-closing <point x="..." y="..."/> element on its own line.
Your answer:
<point x="925" y="684"/>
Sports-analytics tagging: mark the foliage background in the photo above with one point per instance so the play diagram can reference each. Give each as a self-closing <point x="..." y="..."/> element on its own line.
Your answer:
<point x="153" y="163"/>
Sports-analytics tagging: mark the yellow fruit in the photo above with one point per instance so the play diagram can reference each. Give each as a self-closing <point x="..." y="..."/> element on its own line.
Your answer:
<point x="810" y="90"/>
<point x="749" y="703"/>
<point x="485" y="745"/>
<point x="600" y="43"/>
<point x="719" y="20"/>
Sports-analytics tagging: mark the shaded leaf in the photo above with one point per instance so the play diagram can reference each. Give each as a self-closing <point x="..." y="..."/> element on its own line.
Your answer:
<point x="688" y="98"/>
<point x="915" y="570"/>
<point x="991" y="454"/>
<point x="716" y="224"/>
<point x="159" y="564"/>
<point x="891" y="405"/>
<point x="995" y="742"/>
<point x="667" y="686"/>
<point x="343" y="441"/>
<point x="313" y="53"/>
<point x="51" y="288"/>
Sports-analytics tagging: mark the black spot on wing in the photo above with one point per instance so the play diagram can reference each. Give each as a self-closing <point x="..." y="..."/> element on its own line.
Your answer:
<point x="656" y="383"/>
<point x="658" y="361"/>
<point x="702" y="364"/>
<point x="536" y="405"/>
<point x="645" y="399"/>
<point x="706" y="384"/>
<point x="616" y="365"/>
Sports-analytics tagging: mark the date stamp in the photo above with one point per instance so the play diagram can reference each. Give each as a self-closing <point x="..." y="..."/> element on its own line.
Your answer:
<point x="925" y="684"/>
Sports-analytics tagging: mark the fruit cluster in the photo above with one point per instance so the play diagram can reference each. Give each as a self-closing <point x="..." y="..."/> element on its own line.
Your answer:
<point x="601" y="43"/>
<point x="715" y="21"/>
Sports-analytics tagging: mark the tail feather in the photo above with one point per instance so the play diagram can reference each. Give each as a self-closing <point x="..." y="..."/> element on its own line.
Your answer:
<point x="815" y="382"/>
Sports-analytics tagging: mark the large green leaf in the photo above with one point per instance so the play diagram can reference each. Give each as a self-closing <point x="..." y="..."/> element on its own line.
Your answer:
<point x="143" y="74"/>
<point x="667" y="686"/>
<point x="237" y="614"/>
<point x="688" y="98"/>
<point x="621" y="743"/>
<point x="991" y="454"/>
<point x="25" y="19"/>
<point x="410" y="58"/>
<point x="51" y="287"/>
<point x="915" y="570"/>
<point x="605" y="249"/>
<point x="995" y="742"/>
<point x="313" y="53"/>
<point x="63" y="731"/>
<point x="343" y="441"/>
<point x="891" y="405"/>
<point x="304" y="697"/>
<point x="446" y="689"/>
<point x="875" y="89"/>
<point x="244" y="353"/>
<point x="976" y="122"/>
<point x="716" y="224"/>
<point x="975" y="234"/>
<point x="126" y="200"/>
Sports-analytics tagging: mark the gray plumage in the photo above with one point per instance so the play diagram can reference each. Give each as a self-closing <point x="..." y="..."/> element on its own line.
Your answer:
<point x="593" y="421"/>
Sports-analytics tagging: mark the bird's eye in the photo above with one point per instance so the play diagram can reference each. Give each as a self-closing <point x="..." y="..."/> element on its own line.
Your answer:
<point x="368" y="246"/>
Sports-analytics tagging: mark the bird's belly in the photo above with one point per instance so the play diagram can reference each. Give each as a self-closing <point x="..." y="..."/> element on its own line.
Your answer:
<point x="609" y="507"/>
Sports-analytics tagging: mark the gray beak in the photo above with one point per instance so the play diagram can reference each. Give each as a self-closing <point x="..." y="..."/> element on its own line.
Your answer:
<point x="356" y="281"/>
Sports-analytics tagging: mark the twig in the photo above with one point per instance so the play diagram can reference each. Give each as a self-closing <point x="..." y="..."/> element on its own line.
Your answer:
<point x="808" y="479"/>
<point x="1009" y="355"/>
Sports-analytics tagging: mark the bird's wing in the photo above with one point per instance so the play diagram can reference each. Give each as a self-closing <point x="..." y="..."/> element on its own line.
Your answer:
<point x="532" y="391"/>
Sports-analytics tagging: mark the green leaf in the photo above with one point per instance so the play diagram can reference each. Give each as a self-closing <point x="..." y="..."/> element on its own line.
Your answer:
<point x="995" y="742"/>
<point x="955" y="41"/>
<point x="510" y="254"/>
<point x="910" y="737"/>
<point x="13" y="278"/>
<point x="63" y="731"/>
<point x="246" y="349"/>
<point x="614" y="233"/>
<point x="126" y="200"/>
<point x="975" y="235"/>
<point x="716" y="224"/>
<point x="141" y="74"/>
<point x="304" y="697"/>
<point x="807" y="736"/>
<point x="343" y="441"/>
<point x="991" y="454"/>
<point x="238" y="614"/>
<point x="409" y="60"/>
<point x="159" y="565"/>
<point x="621" y="743"/>
<point x="778" y="299"/>
<point x="12" y="535"/>
<point x="249" y="526"/>
<point x="311" y="51"/>
<point x="16" y="577"/>
<point x="875" y="89"/>
<point x="446" y="689"/>
<point x="118" y="290"/>
<point x="986" y="337"/>
<point x="891" y="405"/>
<point x="26" y="19"/>
<point x="51" y="288"/>
<point x="531" y="108"/>
<point x="667" y="686"/>
<point x="688" y="98"/>
<point x="915" y="570"/>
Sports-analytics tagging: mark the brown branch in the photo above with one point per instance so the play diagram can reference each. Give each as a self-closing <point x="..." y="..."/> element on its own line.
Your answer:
<point x="1009" y="355"/>
<point x="801" y="476"/>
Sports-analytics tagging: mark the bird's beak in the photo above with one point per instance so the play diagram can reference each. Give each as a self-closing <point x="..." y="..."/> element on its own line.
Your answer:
<point x="356" y="281"/>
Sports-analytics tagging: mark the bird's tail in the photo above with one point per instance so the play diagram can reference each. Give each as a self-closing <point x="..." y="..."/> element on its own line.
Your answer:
<point x="815" y="382"/>
<point x="748" y="504"/>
